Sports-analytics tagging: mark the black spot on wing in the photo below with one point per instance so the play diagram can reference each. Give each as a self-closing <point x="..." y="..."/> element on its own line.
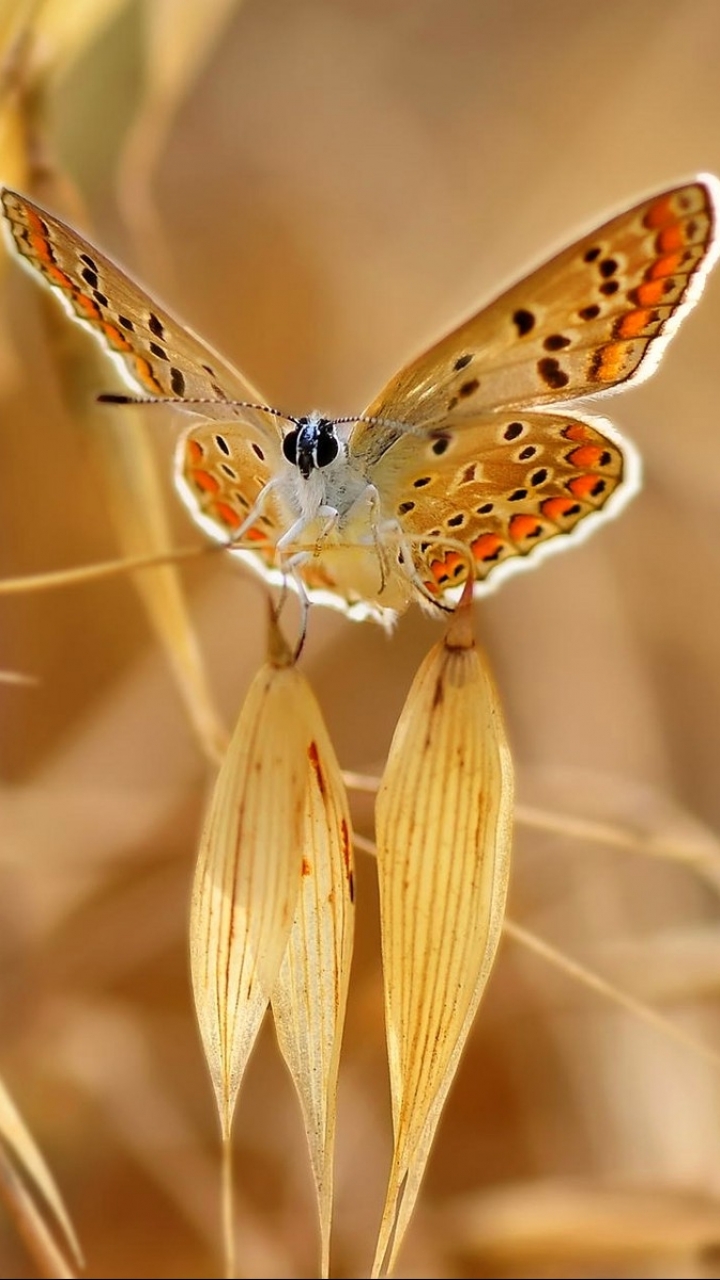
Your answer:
<point x="524" y="321"/>
<point x="469" y="388"/>
<point x="551" y="373"/>
<point x="462" y="362"/>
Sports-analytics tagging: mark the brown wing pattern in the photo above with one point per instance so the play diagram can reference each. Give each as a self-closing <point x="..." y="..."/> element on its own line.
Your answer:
<point x="502" y="490"/>
<point x="158" y="355"/>
<point x="590" y="320"/>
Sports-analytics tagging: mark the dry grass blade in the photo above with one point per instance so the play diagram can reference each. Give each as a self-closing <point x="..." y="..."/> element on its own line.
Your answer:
<point x="137" y="506"/>
<point x="444" y="814"/>
<point x="55" y="578"/>
<point x="64" y="31"/>
<point x="653" y="843"/>
<point x="136" y="500"/>
<point x="125" y="458"/>
<point x="23" y="1155"/>
<point x="177" y="47"/>
<point x="248" y="876"/>
<point x="561" y="1221"/>
<point x="311" y="993"/>
<point x="594" y="982"/>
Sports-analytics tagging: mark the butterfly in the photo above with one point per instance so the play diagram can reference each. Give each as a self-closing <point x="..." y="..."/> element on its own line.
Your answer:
<point x="471" y="462"/>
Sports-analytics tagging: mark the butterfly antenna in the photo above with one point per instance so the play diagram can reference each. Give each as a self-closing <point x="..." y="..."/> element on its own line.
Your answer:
<point x="117" y="397"/>
<point x="405" y="427"/>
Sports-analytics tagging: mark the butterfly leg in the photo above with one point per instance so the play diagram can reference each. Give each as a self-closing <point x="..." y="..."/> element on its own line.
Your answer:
<point x="253" y="513"/>
<point x="330" y="514"/>
<point x="304" y="601"/>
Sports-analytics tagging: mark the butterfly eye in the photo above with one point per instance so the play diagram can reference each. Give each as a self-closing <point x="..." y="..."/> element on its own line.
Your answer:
<point x="326" y="450"/>
<point x="289" y="447"/>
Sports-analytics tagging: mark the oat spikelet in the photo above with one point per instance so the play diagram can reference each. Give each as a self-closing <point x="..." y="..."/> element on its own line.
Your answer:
<point x="444" y="813"/>
<point x="248" y="875"/>
<point x="310" y="996"/>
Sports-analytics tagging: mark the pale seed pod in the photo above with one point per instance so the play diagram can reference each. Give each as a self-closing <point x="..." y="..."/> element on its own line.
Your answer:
<point x="444" y="821"/>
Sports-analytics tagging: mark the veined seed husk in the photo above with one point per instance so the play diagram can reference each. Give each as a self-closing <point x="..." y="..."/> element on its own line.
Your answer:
<point x="273" y="907"/>
<point x="248" y="875"/>
<point x="444" y="823"/>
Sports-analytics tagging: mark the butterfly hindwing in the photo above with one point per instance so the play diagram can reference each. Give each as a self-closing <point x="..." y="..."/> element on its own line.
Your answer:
<point x="497" y="492"/>
<point x="221" y="470"/>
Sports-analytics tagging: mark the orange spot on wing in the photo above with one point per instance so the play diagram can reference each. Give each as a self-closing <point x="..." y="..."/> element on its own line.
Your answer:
<point x="486" y="547"/>
<point x="227" y="514"/>
<point x="143" y="370"/>
<point x="632" y="325"/>
<point x="255" y="535"/>
<point x="586" y="455"/>
<point x="38" y="237"/>
<point x="195" y="450"/>
<point x="558" y="508"/>
<point x="205" y="481"/>
<point x="650" y="293"/>
<point x="115" y="337"/>
<point x="83" y="303"/>
<point x="672" y="237"/>
<point x="587" y="486"/>
<point x="444" y="570"/>
<point x="41" y="248"/>
<point x="524" y="526"/>
<point x="667" y="266"/>
<point x="305" y="868"/>
<point x="611" y="363"/>
<point x="660" y="213"/>
<point x="59" y="277"/>
<point x="576" y="431"/>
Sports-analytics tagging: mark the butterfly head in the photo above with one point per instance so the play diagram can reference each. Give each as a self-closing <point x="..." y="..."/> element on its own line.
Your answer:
<point x="312" y="445"/>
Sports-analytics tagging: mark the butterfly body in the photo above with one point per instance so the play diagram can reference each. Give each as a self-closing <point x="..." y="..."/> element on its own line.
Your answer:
<point x="334" y="525"/>
<point x="473" y="460"/>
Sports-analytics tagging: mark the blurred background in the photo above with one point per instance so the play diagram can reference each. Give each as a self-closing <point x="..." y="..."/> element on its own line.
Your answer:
<point x="322" y="187"/>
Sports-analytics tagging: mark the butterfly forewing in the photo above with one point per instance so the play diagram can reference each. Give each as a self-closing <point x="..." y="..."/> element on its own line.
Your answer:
<point x="592" y="318"/>
<point x="158" y="355"/>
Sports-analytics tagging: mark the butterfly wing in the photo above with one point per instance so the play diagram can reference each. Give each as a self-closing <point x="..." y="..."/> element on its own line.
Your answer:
<point x="591" y="319"/>
<point x="220" y="470"/>
<point x="157" y="354"/>
<point x="502" y="492"/>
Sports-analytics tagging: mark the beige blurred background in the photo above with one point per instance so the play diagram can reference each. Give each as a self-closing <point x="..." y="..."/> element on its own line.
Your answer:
<point x="344" y="180"/>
